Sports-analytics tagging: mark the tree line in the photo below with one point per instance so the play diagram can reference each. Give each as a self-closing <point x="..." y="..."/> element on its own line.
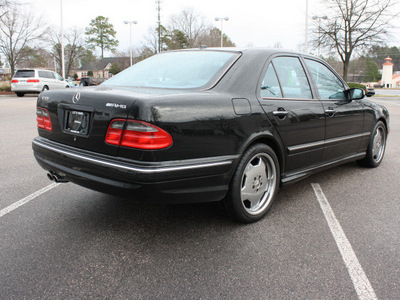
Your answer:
<point x="353" y="31"/>
<point x="27" y="41"/>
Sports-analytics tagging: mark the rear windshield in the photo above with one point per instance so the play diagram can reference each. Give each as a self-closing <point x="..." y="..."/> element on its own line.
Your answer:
<point x="24" y="73"/>
<point x="176" y="70"/>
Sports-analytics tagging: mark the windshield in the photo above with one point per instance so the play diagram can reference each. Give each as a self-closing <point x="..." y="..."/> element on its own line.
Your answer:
<point x="176" y="70"/>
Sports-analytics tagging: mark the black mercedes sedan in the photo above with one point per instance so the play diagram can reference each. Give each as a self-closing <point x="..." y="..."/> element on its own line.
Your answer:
<point x="201" y="125"/>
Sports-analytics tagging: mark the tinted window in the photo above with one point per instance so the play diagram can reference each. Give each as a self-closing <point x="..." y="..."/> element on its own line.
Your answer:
<point x="292" y="77"/>
<point x="270" y="84"/>
<point x="182" y="70"/>
<point x="46" y="74"/>
<point x="328" y="85"/>
<point x="24" y="73"/>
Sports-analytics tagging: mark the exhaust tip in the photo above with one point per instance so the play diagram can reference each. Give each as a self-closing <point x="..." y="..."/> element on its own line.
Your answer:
<point x="50" y="177"/>
<point x="57" y="178"/>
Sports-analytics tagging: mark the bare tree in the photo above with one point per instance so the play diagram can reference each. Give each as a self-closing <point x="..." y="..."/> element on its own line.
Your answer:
<point x="151" y="38"/>
<point x="353" y="25"/>
<point x="73" y="49"/>
<point x="18" y="30"/>
<point x="211" y="37"/>
<point x="4" y="5"/>
<point x="191" y="24"/>
<point x="185" y="30"/>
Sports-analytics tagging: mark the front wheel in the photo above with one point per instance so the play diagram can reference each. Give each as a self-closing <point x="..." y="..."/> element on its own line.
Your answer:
<point x="254" y="184"/>
<point x="376" y="147"/>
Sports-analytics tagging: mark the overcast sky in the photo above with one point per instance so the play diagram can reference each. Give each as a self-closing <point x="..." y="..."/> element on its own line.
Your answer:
<point x="251" y="22"/>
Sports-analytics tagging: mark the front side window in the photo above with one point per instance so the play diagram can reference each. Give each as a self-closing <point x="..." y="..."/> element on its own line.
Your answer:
<point x="175" y="70"/>
<point x="58" y="76"/>
<point x="292" y="77"/>
<point x="328" y="85"/>
<point x="270" y="84"/>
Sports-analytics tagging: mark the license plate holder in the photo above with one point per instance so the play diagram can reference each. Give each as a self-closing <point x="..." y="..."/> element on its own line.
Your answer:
<point x="77" y="122"/>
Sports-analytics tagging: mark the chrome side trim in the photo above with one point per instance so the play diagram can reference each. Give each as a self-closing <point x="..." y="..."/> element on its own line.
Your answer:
<point x="131" y="168"/>
<point x="327" y="142"/>
<point x="305" y="146"/>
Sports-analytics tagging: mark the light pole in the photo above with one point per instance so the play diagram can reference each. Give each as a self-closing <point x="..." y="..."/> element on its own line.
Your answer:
<point x="221" y="19"/>
<point x="319" y="29"/>
<point x="62" y="41"/>
<point x="306" y="30"/>
<point x="130" y="35"/>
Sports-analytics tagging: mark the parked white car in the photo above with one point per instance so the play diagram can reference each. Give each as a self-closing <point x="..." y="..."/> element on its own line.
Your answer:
<point x="26" y="81"/>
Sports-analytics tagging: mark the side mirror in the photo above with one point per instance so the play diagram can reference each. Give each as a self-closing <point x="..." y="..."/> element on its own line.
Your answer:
<point x="355" y="94"/>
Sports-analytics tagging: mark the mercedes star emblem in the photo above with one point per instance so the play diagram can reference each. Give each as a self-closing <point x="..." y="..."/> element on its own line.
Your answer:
<point x="76" y="97"/>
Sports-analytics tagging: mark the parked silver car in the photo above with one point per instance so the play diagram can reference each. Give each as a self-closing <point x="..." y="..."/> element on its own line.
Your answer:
<point x="26" y="81"/>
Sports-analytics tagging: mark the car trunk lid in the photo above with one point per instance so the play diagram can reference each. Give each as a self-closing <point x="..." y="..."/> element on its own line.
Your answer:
<point x="80" y="117"/>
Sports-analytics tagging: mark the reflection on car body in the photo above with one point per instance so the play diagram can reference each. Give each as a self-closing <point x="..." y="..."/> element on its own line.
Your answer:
<point x="209" y="125"/>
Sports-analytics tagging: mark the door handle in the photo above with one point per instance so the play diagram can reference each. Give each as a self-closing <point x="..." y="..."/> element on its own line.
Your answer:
<point x="330" y="111"/>
<point x="281" y="112"/>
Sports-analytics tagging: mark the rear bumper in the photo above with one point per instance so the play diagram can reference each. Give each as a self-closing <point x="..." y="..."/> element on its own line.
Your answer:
<point x="195" y="180"/>
<point x="26" y="88"/>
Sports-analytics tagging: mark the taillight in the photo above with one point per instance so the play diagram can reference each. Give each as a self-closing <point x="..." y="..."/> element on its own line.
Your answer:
<point x="43" y="119"/>
<point x="33" y="80"/>
<point x="114" y="132"/>
<point x="137" y="134"/>
<point x="14" y="81"/>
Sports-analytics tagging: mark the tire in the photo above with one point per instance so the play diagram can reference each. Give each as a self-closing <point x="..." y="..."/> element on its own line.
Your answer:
<point x="376" y="147"/>
<point x="45" y="88"/>
<point x="254" y="185"/>
<point x="20" y="94"/>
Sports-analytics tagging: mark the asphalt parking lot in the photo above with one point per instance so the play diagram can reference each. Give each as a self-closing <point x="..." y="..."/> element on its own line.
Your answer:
<point x="64" y="241"/>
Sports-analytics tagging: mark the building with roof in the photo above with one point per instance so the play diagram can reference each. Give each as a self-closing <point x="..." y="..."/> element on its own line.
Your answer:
<point x="389" y="80"/>
<point x="98" y="67"/>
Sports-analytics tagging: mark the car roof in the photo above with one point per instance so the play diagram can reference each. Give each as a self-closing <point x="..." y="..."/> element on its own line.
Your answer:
<point x="249" y="50"/>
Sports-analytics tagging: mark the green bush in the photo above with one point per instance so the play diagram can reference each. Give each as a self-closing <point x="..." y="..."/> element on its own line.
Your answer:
<point x="6" y="88"/>
<point x="356" y="85"/>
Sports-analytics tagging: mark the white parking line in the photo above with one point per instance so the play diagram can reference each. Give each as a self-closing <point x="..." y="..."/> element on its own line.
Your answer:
<point x="360" y="281"/>
<point x="25" y="200"/>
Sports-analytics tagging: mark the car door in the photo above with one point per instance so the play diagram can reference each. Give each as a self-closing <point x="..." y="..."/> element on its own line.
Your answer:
<point x="344" y="118"/>
<point x="59" y="81"/>
<point x="52" y="80"/>
<point x="48" y="79"/>
<point x="286" y="97"/>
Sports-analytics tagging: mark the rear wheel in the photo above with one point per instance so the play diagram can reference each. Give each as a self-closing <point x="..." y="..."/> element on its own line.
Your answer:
<point x="254" y="184"/>
<point x="45" y="88"/>
<point x="376" y="147"/>
<point x="20" y="94"/>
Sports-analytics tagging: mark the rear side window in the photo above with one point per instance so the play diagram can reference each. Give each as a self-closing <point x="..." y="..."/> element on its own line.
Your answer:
<point x="46" y="74"/>
<point x="328" y="85"/>
<point x="24" y="73"/>
<point x="270" y="84"/>
<point x="292" y="78"/>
